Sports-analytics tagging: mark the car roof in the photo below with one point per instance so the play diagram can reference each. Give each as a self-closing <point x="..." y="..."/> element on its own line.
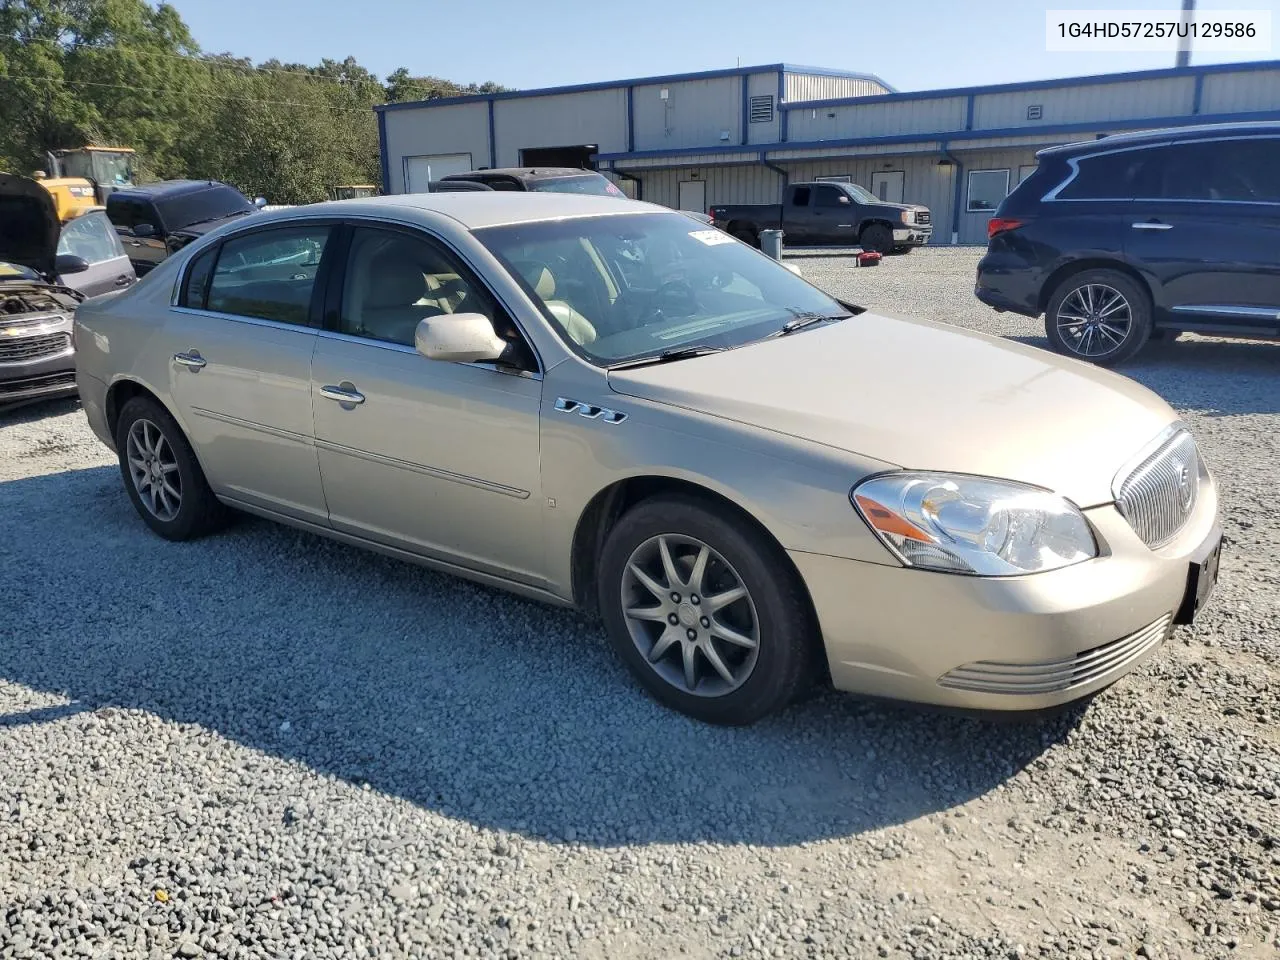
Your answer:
<point x="167" y="188"/>
<point x="1165" y="135"/>
<point x="479" y="209"/>
<point x="521" y="173"/>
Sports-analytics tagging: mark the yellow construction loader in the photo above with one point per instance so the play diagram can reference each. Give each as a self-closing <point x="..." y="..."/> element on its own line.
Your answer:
<point x="353" y="191"/>
<point x="80" y="179"/>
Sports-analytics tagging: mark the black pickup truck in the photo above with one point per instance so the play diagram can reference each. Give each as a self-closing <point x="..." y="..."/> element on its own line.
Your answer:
<point x="830" y="214"/>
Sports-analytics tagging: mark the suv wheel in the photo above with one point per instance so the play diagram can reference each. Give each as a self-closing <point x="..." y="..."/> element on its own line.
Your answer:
<point x="1103" y="316"/>
<point x="704" y="611"/>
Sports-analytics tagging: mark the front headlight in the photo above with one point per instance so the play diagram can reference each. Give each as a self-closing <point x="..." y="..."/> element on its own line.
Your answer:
<point x="960" y="524"/>
<point x="908" y="216"/>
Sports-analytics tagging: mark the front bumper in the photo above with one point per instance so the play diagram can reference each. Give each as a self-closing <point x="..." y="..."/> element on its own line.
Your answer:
<point x="912" y="236"/>
<point x="1016" y="643"/>
<point x="38" y="376"/>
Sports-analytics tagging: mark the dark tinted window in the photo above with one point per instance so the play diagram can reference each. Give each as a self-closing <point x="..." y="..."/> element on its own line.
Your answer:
<point x="268" y="274"/>
<point x="129" y="212"/>
<point x="197" y="282"/>
<point x="1109" y="176"/>
<point x="91" y="236"/>
<point x="1240" y="170"/>
<point x="800" y="197"/>
<point x="829" y="197"/>
<point x="394" y="280"/>
<point x="212" y="203"/>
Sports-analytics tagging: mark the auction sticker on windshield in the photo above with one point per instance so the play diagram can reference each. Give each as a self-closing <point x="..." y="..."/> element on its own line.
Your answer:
<point x="711" y="237"/>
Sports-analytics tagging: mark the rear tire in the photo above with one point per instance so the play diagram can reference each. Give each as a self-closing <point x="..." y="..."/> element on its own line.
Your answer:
<point x="1101" y="316"/>
<point x="162" y="475"/>
<point x="747" y="235"/>
<point x="651" y="557"/>
<point x="878" y="238"/>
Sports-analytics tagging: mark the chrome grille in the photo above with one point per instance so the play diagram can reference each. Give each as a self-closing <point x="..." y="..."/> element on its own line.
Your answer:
<point x="923" y="217"/>
<point x="22" y="349"/>
<point x="1106" y="662"/>
<point x="1158" y="496"/>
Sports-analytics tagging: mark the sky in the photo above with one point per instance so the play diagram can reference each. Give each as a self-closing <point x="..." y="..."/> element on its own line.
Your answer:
<point x="911" y="44"/>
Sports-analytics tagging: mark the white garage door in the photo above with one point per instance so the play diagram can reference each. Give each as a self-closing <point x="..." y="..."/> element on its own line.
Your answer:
<point x="419" y="171"/>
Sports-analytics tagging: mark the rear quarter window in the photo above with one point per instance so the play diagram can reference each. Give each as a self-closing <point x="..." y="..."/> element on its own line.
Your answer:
<point x="1108" y="176"/>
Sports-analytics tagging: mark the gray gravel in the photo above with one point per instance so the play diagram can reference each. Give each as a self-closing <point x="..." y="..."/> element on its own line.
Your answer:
<point x="269" y="745"/>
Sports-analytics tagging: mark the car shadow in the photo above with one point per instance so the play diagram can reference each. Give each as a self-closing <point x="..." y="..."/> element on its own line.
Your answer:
<point x="455" y="697"/>
<point x="1189" y="373"/>
<point x="29" y="411"/>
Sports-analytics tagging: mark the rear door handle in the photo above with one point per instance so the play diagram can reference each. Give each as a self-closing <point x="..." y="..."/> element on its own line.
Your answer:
<point x="192" y="360"/>
<point x="342" y="394"/>
<point x="1152" y="225"/>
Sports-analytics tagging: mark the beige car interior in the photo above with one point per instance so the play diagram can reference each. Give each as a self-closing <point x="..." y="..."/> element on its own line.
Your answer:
<point x="394" y="282"/>
<point x="539" y="276"/>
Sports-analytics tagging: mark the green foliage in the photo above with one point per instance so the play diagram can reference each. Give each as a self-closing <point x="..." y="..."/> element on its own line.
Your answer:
<point x="127" y="73"/>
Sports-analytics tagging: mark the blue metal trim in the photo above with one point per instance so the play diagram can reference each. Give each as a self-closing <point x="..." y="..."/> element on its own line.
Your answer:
<point x="581" y="87"/>
<point x="493" y="141"/>
<point x="1195" y="98"/>
<point x="958" y="170"/>
<point x="968" y="113"/>
<point x="382" y="153"/>
<point x="1146" y="123"/>
<point x="631" y="119"/>
<point x="746" y="106"/>
<point x="1211" y="68"/>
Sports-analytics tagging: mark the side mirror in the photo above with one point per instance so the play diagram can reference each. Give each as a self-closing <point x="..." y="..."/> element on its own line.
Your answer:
<point x="459" y="338"/>
<point x="845" y="200"/>
<point x="259" y="202"/>
<point x="144" y="230"/>
<point x="66" y="263"/>
<point x="793" y="268"/>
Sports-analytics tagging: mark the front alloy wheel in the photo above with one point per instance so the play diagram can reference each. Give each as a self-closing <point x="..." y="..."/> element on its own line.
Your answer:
<point x="690" y="615"/>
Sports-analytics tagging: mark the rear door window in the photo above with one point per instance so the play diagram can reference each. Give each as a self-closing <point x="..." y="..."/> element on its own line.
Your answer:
<point x="800" y="197"/>
<point x="268" y="274"/>
<point x="1111" y="176"/>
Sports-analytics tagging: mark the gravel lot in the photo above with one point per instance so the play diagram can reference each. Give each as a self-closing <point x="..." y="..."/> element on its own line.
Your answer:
<point x="268" y="745"/>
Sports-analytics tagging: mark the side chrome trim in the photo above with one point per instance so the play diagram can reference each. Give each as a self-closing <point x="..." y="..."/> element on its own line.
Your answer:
<point x="419" y="468"/>
<point x="250" y="321"/>
<point x="1227" y="310"/>
<point x="588" y="410"/>
<point x="251" y="425"/>
<point x="1141" y="225"/>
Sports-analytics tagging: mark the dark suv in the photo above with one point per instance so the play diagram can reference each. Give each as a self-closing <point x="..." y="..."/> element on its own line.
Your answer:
<point x="1139" y="235"/>
<point x="157" y="219"/>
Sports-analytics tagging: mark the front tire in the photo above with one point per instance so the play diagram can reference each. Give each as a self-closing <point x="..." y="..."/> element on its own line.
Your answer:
<point x="1102" y="316"/>
<point x="162" y="475"/>
<point x="877" y="238"/>
<point x="705" y="611"/>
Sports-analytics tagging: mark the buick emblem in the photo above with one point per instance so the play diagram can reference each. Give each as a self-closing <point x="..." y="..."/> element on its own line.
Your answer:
<point x="1186" y="491"/>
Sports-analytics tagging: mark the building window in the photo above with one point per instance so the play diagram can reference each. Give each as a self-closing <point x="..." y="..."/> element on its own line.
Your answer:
<point x="762" y="109"/>
<point x="986" y="189"/>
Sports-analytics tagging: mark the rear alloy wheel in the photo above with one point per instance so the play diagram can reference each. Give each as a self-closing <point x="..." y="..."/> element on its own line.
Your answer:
<point x="704" y="611"/>
<point x="161" y="473"/>
<point x="877" y="238"/>
<point x="1102" y="316"/>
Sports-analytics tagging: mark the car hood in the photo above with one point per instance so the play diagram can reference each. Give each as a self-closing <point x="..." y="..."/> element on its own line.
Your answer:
<point x="29" y="225"/>
<point x="885" y="205"/>
<point x="925" y="396"/>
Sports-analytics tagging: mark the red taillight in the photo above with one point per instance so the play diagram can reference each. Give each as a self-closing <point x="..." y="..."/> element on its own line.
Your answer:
<point x="1001" y="225"/>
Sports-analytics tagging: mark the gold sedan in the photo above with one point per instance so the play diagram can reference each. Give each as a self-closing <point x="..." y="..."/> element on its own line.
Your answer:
<point x="606" y="404"/>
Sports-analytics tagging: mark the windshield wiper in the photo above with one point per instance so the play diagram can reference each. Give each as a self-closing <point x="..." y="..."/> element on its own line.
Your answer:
<point x="666" y="356"/>
<point x="801" y="319"/>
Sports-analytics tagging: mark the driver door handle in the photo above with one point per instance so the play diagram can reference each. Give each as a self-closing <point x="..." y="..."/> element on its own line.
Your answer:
<point x="342" y="395"/>
<point x="1152" y="225"/>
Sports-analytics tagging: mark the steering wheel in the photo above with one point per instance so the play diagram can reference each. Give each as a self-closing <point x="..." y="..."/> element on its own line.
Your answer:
<point x="673" y="291"/>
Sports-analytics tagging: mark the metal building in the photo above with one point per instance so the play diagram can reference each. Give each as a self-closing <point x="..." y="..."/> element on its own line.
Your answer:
<point x="736" y="136"/>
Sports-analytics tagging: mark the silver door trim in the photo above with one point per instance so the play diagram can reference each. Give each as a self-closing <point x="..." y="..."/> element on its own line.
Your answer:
<point x="435" y="472"/>
<point x="1142" y="225"/>
<point x="1229" y="310"/>
<point x="252" y="425"/>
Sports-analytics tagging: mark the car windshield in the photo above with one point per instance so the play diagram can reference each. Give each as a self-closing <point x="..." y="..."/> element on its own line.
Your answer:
<point x="587" y="183"/>
<point x="628" y="286"/>
<point x="859" y="194"/>
<point x="212" y="204"/>
<point x="113" y="167"/>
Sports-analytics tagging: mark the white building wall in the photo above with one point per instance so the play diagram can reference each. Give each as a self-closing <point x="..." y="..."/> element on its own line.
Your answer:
<point x="560" y="120"/>
<point x="764" y="85"/>
<point x="1172" y="96"/>
<point x="695" y="113"/>
<point x="459" y="129"/>
<point x="877" y="119"/>
<point x="1238" y="92"/>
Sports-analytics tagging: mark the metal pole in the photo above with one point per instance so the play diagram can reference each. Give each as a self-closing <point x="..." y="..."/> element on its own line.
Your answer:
<point x="1184" y="38"/>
